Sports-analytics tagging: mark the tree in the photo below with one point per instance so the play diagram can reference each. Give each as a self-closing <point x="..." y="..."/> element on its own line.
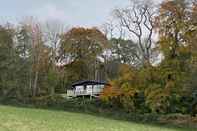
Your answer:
<point x="8" y="59"/>
<point x="23" y="46"/>
<point x="191" y="84"/>
<point x="36" y="54"/>
<point x="125" y="51"/>
<point x="52" y="31"/>
<point x="173" y="24"/>
<point x="123" y="91"/>
<point x="80" y="49"/>
<point x="138" y="20"/>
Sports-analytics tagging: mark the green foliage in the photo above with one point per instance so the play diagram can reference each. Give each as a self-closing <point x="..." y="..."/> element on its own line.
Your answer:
<point x="7" y="62"/>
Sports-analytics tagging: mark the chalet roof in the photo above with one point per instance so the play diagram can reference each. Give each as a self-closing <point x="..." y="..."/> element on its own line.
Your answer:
<point x="89" y="82"/>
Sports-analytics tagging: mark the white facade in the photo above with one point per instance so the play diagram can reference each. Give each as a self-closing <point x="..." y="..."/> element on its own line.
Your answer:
<point x="81" y="90"/>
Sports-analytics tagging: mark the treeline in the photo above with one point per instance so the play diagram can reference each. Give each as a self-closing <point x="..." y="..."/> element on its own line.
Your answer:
<point x="40" y="60"/>
<point x="147" y="53"/>
<point x="171" y="85"/>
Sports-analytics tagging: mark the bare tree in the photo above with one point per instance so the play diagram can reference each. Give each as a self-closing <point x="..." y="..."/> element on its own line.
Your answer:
<point x="37" y="51"/>
<point x="108" y="29"/>
<point x="138" y="20"/>
<point x="122" y="49"/>
<point x="52" y="33"/>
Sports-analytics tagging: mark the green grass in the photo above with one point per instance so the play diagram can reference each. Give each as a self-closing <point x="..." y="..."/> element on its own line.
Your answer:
<point x="27" y="119"/>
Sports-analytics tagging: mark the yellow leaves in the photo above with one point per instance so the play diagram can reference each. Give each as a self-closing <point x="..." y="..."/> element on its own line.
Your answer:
<point x="157" y="98"/>
<point x="184" y="51"/>
<point x="127" y="73"/>
<point x="174" y="22"/>
<point x="122" y="94"/>
<point x="151" y="89"/>
<point x="170" y="85"/>
<point x="117" y="90"/>
<point x="128" y="90"/>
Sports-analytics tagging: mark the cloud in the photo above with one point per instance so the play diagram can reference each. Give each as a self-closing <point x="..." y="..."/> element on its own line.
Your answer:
<point x="75" y="12"/>
<point x="50" y="12"/>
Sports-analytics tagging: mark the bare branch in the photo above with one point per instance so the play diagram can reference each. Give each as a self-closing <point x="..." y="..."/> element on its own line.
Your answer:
<point x="138" y="20"/>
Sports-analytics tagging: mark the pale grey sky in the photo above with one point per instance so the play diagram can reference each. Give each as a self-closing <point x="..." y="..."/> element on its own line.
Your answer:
<point x="71" y="12"/>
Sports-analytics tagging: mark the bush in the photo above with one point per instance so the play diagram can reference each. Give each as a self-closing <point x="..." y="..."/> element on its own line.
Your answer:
<point x="47" y="101"/>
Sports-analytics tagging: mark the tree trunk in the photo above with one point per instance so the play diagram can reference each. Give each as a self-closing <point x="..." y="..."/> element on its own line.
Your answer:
<point x="35" y="84"/>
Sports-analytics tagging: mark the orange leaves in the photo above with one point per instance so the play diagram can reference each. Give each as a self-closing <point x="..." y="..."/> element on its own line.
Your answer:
<point x="83" y="43"/>
<point x="194" y="10"/>
<point x="127" y="73"/>
<point x="81" y="34"/>
<point x="81" y="48"/>
<point x="175" y="8"/>
<point x="123" y="87"/>
<point x="168" y="5"/>
<point x="110" y="92"/>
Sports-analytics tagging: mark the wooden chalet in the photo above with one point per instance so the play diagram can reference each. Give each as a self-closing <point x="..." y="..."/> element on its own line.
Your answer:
<point x="86" y="88"/>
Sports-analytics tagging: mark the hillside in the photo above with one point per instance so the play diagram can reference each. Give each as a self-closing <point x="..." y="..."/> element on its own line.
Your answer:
<point x="26" y="119"/>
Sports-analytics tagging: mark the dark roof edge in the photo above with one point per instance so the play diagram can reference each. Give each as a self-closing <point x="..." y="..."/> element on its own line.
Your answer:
<point x="93" y="82"/>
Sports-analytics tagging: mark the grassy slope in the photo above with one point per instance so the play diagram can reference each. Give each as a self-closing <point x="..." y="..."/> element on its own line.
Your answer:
<point x="23" y="119"/>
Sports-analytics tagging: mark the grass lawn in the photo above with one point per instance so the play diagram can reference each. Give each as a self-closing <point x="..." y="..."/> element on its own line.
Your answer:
<point x="26" y="119"/>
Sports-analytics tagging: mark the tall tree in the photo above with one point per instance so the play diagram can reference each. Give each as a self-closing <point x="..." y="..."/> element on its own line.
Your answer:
<point x="7" y="61"/>
<point x="126" y="51"/>
<point x="138" y="20"/>
<point x="82" y="48"/>
<point x="172" y="24"/>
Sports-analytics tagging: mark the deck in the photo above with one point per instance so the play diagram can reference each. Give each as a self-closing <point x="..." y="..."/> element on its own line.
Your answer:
<point x="74" y="93"/>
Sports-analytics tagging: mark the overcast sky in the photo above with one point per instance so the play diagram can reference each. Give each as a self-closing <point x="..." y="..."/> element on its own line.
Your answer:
<point x="71" y="12"/>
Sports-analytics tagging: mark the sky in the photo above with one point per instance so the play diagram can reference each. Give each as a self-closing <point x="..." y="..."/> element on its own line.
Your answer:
<point x="71" y="12"/>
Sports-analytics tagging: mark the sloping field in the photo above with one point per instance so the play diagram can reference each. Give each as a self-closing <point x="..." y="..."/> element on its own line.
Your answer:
<point x="25" y="119"/>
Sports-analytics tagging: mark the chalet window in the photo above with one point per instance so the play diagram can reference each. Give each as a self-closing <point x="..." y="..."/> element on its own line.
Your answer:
<point x="89" y="88"/>
<point x="79" y="88"/>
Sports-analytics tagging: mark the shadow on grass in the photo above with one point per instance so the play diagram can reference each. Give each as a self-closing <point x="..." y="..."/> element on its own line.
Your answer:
<point x="132" y="117"/>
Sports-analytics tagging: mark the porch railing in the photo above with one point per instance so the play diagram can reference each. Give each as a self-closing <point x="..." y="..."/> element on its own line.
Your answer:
<point x="73" y="93"/>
